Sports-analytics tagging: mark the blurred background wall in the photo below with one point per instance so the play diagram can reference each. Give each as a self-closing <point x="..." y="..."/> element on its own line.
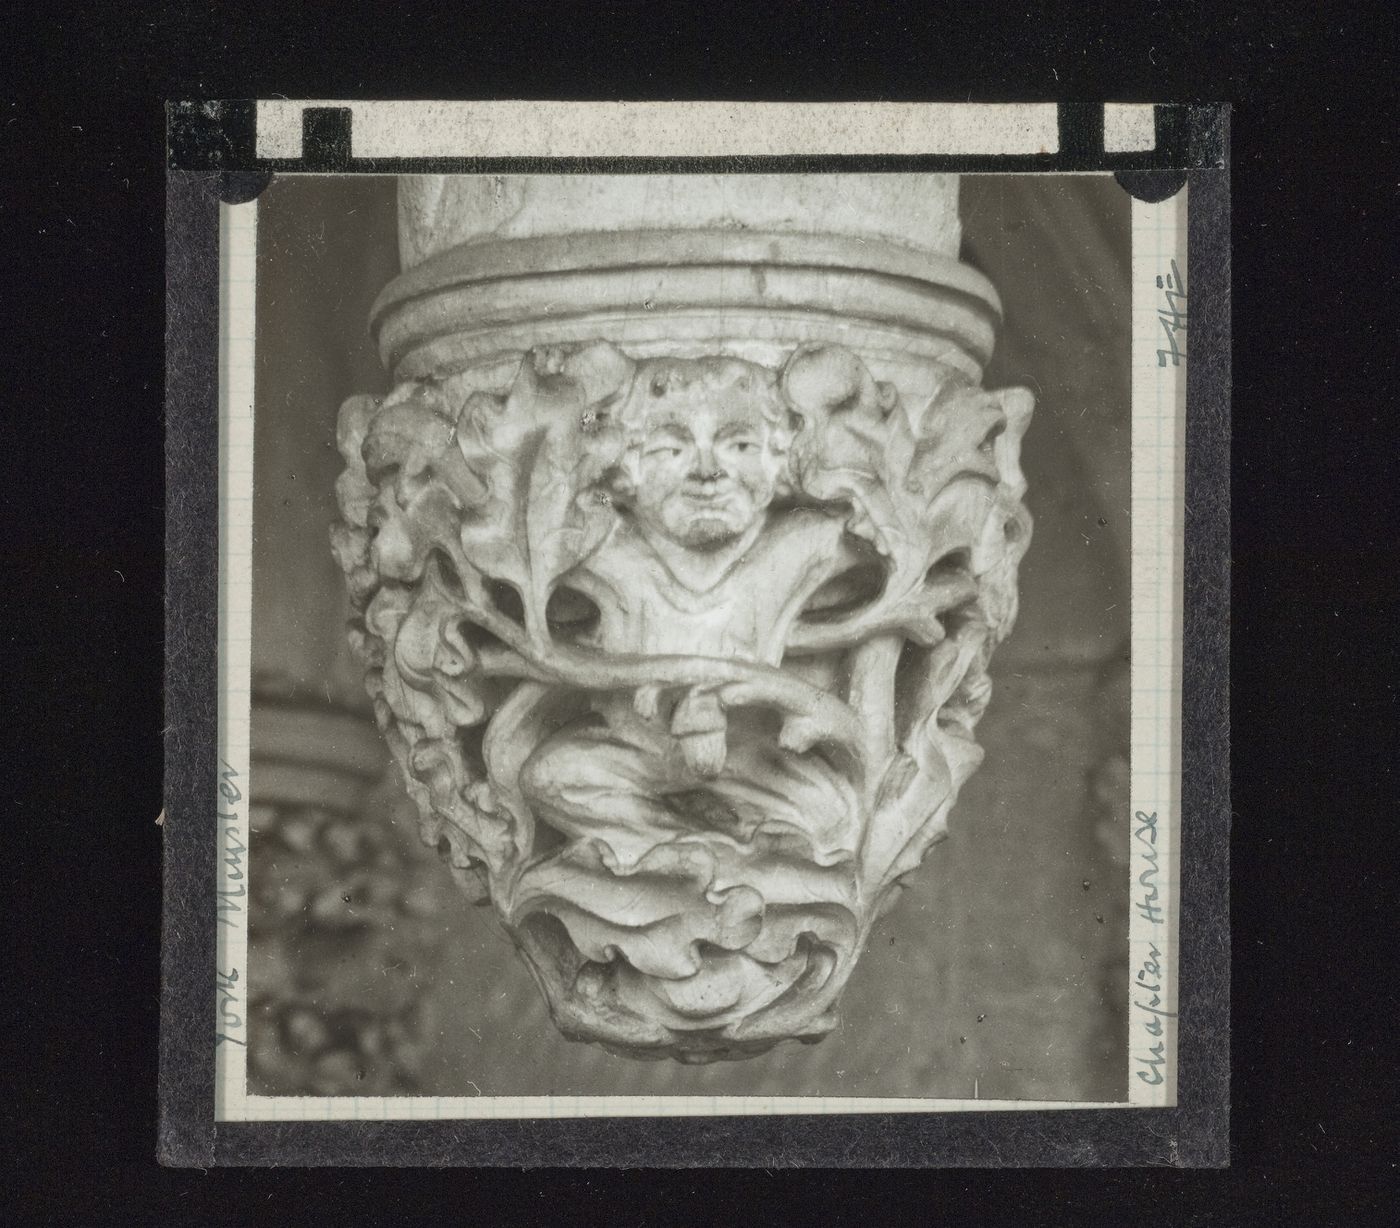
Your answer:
<point x="1000" y="973"/>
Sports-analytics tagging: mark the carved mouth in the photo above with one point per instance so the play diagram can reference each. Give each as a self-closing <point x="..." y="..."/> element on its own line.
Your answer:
<point x="708" y="498"/>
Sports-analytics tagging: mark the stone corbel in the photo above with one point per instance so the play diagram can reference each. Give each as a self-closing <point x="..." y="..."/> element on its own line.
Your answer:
<point x="678" y="557"/>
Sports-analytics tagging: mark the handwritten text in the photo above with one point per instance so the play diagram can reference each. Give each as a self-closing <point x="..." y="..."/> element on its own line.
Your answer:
<point x="229" y="1016"/>
<point x="1172" y="317"/>
<point x="1148" y="994"/>
<point x="233" y="887"/>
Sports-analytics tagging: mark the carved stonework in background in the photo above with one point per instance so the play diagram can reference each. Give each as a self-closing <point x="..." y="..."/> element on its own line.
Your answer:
<point x="681" y="646"/>
<point x="345" y="919"/>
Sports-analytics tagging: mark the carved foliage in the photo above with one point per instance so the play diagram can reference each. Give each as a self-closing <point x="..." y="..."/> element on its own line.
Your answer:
<point x="682" y="659"/>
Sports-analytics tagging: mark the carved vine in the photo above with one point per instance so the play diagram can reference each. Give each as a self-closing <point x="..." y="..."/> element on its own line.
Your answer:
<point x="682" y="659"/>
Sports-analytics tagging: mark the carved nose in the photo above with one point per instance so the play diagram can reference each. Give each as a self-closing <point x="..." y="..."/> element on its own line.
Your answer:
<point x="707" y="468"/>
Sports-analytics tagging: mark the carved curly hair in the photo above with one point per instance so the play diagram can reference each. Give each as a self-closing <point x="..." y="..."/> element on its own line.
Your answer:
<point x="660" y="384"/>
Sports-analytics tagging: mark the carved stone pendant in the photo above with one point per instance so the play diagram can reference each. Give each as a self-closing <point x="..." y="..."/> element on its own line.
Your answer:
<point x="681" y="651"/>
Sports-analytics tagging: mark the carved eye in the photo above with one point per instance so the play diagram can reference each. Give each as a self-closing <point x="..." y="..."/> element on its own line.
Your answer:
<point x="669" y="451"/>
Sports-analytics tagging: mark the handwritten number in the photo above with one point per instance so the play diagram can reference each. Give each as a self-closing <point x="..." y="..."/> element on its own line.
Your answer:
<point x="1172" y="317"/>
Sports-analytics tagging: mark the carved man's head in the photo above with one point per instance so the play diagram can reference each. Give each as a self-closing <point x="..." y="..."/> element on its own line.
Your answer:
<point x="709" y="443"/>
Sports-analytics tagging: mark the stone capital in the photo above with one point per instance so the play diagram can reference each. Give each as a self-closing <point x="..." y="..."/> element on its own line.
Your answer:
<point x="678" y="554"/>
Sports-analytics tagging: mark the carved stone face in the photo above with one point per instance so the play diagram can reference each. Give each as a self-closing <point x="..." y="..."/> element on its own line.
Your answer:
<point x="708" y="464"/>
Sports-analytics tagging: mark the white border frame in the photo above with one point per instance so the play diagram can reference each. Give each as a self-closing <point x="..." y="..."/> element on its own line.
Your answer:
<point x="1158" y="467"/>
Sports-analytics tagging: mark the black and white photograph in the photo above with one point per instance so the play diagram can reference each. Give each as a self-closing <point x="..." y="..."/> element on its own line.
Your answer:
<point x="689" y="641"/>
<point x="663" y="615"/>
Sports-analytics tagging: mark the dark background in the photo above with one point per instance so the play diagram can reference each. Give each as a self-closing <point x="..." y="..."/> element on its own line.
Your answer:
<point x="1002" y="973"/>
<point x="1314" y="661"/>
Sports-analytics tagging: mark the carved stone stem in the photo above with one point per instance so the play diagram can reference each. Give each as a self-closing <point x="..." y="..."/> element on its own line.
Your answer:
<point x="677" y="555"/>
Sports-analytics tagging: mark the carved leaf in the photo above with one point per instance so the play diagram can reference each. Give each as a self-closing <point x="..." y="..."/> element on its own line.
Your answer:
<point x="540" y="455"/>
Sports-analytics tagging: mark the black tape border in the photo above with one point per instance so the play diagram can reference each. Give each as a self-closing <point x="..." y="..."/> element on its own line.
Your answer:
<point x="1193" y="1134"/>
<point x="222" y="136"/>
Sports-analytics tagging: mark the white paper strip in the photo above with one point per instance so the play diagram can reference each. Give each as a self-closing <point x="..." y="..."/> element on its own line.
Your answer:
<point x="238" y="246"/>
<point x="1129" y="127"/>
<point x="668" y="129"/>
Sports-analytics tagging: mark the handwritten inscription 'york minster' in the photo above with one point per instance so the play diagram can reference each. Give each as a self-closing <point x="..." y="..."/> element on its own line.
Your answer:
<point x="231" y="896"/>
